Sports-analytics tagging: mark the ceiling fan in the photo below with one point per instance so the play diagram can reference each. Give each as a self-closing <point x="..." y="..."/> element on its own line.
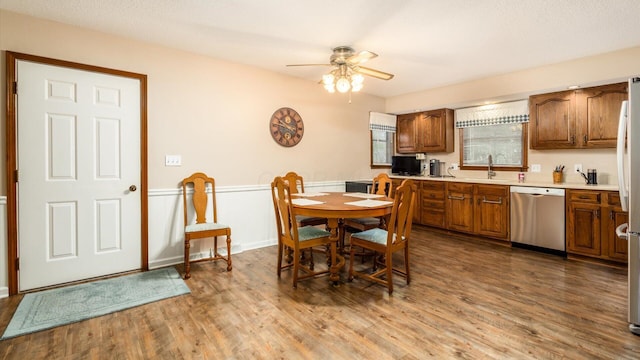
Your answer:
<point x="348" y="73"/>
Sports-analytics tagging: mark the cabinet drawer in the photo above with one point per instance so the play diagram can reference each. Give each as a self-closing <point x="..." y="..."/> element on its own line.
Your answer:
<point x="460" y="188"/>
<point x="591" y="197"/>
<point x="433" y="217"/>
<point x="432" y="204"/>
<point x="614" y="199"/>
<point x="497" y="190"/>
<point x="432" y="195"/>
<point x="433" y="185"/>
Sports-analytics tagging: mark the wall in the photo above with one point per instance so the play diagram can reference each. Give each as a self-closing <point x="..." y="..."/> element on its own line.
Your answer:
<point x="215" y="114"/>
<point x="595" y="70"/>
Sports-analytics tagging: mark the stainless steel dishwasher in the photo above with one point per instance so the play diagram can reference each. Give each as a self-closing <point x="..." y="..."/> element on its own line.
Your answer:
<point x="537" y="218"/>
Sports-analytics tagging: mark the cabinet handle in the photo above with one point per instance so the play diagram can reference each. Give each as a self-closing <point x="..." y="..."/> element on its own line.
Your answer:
<point x="585" y="139"/>
<point x="484" y="200"/>
<point x="597" y="213"/>
<point x="611" y="214"/>
<point x="573" y="140"/>
<point x="456" y="197"/>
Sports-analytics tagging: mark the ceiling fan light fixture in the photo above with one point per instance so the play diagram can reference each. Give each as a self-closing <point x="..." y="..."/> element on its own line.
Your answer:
<point x="327" y="79"/>
<point x="343" y="85"/>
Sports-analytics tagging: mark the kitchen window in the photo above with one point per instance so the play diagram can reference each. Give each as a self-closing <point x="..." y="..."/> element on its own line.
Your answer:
<point x="383" y="132"/>
<point x="499" y="130"/>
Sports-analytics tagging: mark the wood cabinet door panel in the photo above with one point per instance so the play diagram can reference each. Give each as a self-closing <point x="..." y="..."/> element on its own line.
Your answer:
<point x="617" y="247"/>
<point x="583" y="229"/>
<point x="492" y="216"/>
<point x="460" y="211"/>
<point x="553" y="120"/>
<point x="598" y="109"/>
<point x="406" y="133"/>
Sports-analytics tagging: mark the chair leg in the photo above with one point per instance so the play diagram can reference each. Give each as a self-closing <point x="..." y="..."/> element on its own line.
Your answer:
<point x="406" y="263"/>
<point x="229" y="267"/>
<point x="280" y="251"/>
<point x="187" y="266"/>
<point x="389" y="265"/>
<point x="311" y="264"/>
<point x="296" y="264"/>
<point x="351" y="256"/>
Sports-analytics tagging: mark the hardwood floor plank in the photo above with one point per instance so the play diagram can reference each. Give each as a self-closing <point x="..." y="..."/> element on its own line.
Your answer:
<point x="468" y="299"/>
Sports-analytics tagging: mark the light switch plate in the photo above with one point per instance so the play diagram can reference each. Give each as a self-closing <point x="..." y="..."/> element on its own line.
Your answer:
<point x="535" y="168"/>
<point x="172" y="160"/>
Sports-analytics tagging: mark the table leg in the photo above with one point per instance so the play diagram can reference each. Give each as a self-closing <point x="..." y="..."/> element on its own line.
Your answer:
<point x="337" y="261"/>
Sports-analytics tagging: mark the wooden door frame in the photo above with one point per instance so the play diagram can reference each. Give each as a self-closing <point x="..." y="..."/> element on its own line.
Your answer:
<point x="11" y="155"/>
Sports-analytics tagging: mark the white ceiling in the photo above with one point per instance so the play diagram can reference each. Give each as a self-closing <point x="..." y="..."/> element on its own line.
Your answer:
<point x="425" y="43"/>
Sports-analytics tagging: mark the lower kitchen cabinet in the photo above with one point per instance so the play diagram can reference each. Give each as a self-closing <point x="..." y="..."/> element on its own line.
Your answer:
<point x="617" y="247"/>
<point x="478" y="209"/>
<point x="460" y="207"/>
<point x="492" y="211"/>
<point x="433" y="206"/>
<point x="591" y="219"/>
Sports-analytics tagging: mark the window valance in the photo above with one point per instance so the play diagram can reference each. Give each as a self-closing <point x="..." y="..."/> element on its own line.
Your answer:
<point x="494" y="114"/>
<point x="382" y="121"/>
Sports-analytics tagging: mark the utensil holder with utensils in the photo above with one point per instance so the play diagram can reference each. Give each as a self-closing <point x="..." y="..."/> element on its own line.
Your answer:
<point x="557" y="177"/>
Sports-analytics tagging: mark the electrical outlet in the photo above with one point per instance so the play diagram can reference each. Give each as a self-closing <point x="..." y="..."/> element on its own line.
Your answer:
<point x="172" y="160"/>
<point x="535" y="168"/>
<point x="577" y="167"/>
<point x="455" y="166"/>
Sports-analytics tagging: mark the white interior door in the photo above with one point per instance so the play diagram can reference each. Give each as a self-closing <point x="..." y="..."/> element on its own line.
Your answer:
<point x="78" y="141"/>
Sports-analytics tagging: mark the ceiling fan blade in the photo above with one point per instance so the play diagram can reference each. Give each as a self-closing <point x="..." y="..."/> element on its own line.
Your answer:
<point x="309" y="65"/>
<point x="373" y="73"/>
<point x="361" y="57"/>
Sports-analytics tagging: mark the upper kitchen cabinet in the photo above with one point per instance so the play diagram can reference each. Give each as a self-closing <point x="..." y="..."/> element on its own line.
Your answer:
<point x="425" y="132"/>
<point x="584" y="118"/>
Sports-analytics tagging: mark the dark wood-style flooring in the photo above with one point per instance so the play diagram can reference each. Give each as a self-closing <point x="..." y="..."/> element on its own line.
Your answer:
<point x="468" y="299"/>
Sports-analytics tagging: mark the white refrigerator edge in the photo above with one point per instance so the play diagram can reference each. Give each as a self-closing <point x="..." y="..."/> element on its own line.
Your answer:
<point x="628" y="184"/>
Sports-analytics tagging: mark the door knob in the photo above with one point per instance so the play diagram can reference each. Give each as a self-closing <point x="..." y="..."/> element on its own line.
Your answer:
<point x="133" y="188"/>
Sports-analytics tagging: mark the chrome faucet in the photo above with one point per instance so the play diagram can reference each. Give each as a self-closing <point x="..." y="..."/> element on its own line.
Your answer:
<point x="490" y="173"/>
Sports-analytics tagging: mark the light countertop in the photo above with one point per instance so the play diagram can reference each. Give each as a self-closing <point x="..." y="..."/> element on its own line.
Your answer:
<point x="510" y="182"/>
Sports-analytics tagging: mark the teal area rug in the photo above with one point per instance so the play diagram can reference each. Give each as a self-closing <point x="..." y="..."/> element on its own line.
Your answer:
<point x="50" y="308"/>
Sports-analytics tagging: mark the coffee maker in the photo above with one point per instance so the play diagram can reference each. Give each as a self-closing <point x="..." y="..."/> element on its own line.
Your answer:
<point x="434" y="168"/>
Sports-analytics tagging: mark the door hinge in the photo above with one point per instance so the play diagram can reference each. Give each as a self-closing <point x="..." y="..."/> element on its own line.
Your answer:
<point x="15" y="87"/>
<point x="15" y="176"/>
<point x="17" y="264"/>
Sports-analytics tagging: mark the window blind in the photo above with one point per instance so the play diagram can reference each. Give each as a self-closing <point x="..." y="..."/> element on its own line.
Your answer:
<point x="382" y="121"/>
<point x="494" y="114"/>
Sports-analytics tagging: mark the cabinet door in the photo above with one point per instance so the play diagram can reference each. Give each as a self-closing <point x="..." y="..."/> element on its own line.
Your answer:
<point x="436" y="131"/>
<point x="492" y="211"/>
<point x="406" y="133"/>
<point x="617" y="247"/>
<point x="598" y="111"/>
<point x="552" y="120"/>
<point x="459" y="204"/>
<point x="583" y="228"/>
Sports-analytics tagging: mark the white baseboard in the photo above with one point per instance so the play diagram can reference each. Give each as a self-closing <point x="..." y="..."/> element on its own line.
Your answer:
<point x="4" y="292"/>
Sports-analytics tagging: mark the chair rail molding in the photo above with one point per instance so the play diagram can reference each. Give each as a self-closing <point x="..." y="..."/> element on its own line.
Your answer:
<point x="248" y="210"/>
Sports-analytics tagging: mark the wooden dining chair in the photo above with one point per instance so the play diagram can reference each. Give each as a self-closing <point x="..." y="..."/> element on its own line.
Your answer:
<point x="381" y="186"/>
<point x="202" y="228"/>
<point x="294" y="237"/>
<point x="389" y="241"/>
<point x="296" y="185"/>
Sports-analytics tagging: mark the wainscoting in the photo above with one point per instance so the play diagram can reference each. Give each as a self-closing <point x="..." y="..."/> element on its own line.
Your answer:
<point x="247" y="209"/>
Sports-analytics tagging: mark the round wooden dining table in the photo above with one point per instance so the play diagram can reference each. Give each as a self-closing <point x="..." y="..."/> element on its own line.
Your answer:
<point x="335" y="207"/>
